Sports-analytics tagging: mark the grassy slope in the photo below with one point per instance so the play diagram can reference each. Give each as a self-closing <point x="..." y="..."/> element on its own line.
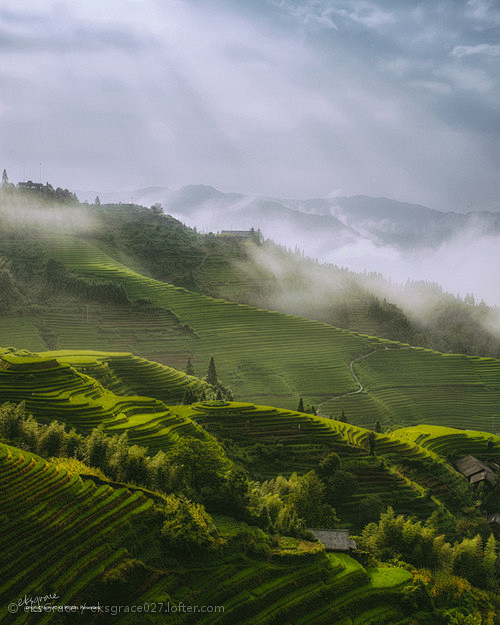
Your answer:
<point x="452" y="442"/>
<point x="66" y="536"/>
<point x="268" y="357"/>
<point x="53" y="389"/>
<point x="267" y="440"/>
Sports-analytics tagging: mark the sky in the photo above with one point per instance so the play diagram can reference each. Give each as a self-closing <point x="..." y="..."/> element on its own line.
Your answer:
<point x="283" y="98"/>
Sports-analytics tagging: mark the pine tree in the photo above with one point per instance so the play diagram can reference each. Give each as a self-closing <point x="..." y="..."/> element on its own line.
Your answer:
<point x="371" y="442"/>
<point x="300" y="407"/>
<point x="211" y="376"/>
<point x="5" y="178"/>
<point x="189" y="367"/>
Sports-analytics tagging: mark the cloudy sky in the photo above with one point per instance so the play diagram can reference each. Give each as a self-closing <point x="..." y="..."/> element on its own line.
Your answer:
<point x="291" y="98"/>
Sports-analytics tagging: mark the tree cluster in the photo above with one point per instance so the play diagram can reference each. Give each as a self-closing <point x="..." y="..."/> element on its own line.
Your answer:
<point x="396" y="537"/>
<point x="195" y="468"/>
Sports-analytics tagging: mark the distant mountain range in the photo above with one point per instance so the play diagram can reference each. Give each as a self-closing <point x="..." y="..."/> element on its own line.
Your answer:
<point x="327" y="222"/>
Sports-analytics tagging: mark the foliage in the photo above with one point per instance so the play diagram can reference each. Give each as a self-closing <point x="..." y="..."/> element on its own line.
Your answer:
<point x="397" y="537"/>
<point x="187" y="527"/>
<point x="60" y="279"/>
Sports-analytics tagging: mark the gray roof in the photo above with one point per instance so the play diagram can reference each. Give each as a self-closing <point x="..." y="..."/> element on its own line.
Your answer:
<point x="333" y="540"/>
<point x="494" y="518"/>
<point x="474" y="469"/>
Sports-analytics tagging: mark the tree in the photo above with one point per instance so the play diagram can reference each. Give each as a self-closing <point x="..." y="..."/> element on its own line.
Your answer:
<point x="329" y="464"/>
<point x="118" y="452"/>
<point x="341" y="486"/>
<point x="187" y="526"/>
<point x="199" y="464"/>
<point x="372" y="438"/>
<point x="189" y="367"/>
<point x="370" y="508"/>
<point x="5" y="178"/>
<point x="136" y="468"/>
<point x="490" y="560"/>
<point x="96" y="449"/>
<point x="97" y="201"/>
<point x="157" y="209"/>
<point x="211" y="376"/>
<point x="300" y="407"/>
<point x="308" y="498"/>
<point x="51" y="442"/>
<point x="467" y="560"/>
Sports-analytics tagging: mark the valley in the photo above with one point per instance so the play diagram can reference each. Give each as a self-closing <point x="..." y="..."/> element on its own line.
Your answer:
<point x="163" y="439"/>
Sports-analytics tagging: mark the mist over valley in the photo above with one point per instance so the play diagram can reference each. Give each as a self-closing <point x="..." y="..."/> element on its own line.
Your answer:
<point x="401" y="241"/>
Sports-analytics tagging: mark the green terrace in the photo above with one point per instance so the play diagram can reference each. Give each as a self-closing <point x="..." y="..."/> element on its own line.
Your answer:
<point x="450" y="442"/>
<point x="404" y="474"/>
<point x="54" y="390"/>
<point x="60" y="386"/>
<point x="265" y="357"/>
<point x="262" y="355"/>
<point x="57" y="531"/>
<point x="127" y="374"/>
<point x="71" y="536"/>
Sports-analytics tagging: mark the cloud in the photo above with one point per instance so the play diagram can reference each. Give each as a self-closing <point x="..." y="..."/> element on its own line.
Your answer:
<point x="483" y="48"/>
<point x="275" y="97"/>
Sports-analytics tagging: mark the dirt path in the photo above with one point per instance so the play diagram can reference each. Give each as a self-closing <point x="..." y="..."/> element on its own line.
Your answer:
<point x="358" y="381"/>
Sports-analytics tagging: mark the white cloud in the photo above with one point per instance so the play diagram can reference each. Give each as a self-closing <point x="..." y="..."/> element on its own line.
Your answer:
<point x="272" y="97"/>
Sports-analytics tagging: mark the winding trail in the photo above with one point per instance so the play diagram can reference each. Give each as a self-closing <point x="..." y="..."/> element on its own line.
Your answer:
<point x="361" y="387"/>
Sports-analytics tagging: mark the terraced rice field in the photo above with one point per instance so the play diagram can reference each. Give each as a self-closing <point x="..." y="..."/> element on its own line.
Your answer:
<point x="262" y="354"/>
<point x="126" y="374"/>
<point x="56" y="390"/>
<point x="446" y="441"/>
<point x="373" y="478"/>
<point x="303" y="593"/>
<point x="65" y="536"/>
<point x="21" y="332"/>
<point x="57" y="532"/>
<point x="298" y="441"/>
<point x="267" y="357"/>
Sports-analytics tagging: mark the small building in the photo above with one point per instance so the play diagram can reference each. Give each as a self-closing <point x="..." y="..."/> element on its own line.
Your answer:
<point x="252" y="234"/>
<point x="494" y="523"/>
<point x="494" y="518"/>
<point x="31" y="186"/>
<point x="334" y="540"/>
<point x="475" y="470"/>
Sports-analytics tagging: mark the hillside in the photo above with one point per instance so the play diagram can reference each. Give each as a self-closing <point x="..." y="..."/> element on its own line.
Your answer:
<point x="225" y="474"/>
<point x="253" y="351"/>
<point x="263" y="275"/>
<point x="256" y="577"/>
<point x="75" y="388"/>
<point x="95" y="545"/>
<point x="264" y="357"/>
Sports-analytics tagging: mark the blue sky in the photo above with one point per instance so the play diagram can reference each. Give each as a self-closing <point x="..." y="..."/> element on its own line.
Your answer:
<point x="271" y="97"/>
